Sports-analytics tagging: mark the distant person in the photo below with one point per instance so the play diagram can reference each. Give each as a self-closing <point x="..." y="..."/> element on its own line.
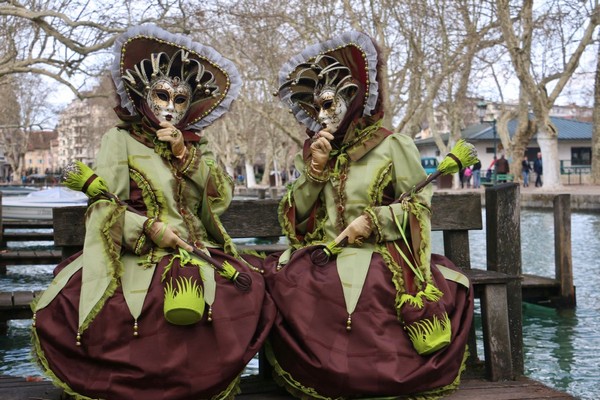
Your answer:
<point x="477" y="175"/>
<point x="502" y="167"/>
<point x="526" y="169"/>
<point x="538" y="168"/>
<point x="490" y="170"/>
<point x="467" y="176"/>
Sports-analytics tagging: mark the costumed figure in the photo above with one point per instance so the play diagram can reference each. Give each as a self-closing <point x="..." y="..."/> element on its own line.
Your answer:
<point x="379" y="316"/>
<point x="138" y="314"/>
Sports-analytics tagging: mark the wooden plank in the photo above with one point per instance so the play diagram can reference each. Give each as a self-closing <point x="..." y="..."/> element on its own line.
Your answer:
<point x="15" y="388"/>
<point x="456" y="211"/>
<point x="35" y="224"/>
<point x="30" y="257"/>
<point x="259" y="218"/>
<point x="496" y="333"/>
<point x="28" y="236"/>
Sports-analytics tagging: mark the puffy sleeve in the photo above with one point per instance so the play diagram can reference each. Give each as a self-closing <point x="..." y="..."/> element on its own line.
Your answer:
<point x="112" y="165"/>
<point x="406" y="173"/>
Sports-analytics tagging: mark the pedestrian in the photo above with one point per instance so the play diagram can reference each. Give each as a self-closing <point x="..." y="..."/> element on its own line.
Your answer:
<point x="468" y="172"/>
<point x="477" y="175"/>
<point x="502" y="168"/>
<point x="368" y="321"/>
<point x="526" y="169"/>
<point x="538" y="168"/>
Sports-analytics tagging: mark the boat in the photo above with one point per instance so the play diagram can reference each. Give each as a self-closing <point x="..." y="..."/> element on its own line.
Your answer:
<point x="38" y="205"/>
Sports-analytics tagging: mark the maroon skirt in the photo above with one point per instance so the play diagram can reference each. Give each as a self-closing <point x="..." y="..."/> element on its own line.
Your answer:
<point x="315" y="355"/>
<point x="164" y="361"/>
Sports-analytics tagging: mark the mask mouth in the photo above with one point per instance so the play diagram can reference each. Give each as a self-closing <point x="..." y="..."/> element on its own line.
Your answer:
<point x="168" y="117"/>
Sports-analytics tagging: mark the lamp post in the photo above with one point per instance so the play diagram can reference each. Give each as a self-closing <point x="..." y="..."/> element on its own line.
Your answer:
<point x="482" y="113"/>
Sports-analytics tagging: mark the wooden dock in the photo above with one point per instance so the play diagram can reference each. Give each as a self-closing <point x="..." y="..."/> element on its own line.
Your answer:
<point x="13" y="388"/>
<point x="500" y="285"/>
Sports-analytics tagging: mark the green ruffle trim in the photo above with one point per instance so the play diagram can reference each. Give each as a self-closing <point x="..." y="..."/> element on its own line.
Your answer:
<point x="220" y="180"/>
<point x="284" y="379"/>
<point x="40" y="359"/>
<point x="397" y="275"/>
<point x="114" y="257"/>
<point x="229" y="393"/>
<point x="153" y="198"/>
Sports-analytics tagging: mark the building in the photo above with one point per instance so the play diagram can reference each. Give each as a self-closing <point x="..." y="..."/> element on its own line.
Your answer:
<point x="79" y="128"/>
<point x="40" y="160"/>
<point x="574" y="145"/>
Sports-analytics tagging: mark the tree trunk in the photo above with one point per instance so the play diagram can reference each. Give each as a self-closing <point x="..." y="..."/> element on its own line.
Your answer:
<point x="549" y="148"/>
<point x="595" y="172"/>
<point x="250" y="178"/>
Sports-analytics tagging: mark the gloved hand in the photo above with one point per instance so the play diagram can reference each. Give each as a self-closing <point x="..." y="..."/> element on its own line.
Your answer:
<point x="172" y="135"/>
<point x="163" y="236"/>
<point x="319" y="150"/>
<point x="357" y="230"/>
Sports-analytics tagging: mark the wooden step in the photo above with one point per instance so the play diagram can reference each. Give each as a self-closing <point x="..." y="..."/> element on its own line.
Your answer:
<point x="29" y="257"/>
<point x="27" y="236"/>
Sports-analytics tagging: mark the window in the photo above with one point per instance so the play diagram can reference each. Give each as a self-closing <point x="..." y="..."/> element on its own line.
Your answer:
<point x="581" y="156"/>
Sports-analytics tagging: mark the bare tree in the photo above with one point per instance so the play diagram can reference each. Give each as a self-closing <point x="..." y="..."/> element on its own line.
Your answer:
<point x="595" y="173"/>
<point x="541" y="80"/>
<point x="68" y="39"/>
<point x="23" y="110"/>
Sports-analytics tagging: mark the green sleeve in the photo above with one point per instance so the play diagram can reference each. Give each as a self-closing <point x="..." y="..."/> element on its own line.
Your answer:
<point x="306" y="191"/>
<point x="406" y="173"/>
<point x="112" y="165"/>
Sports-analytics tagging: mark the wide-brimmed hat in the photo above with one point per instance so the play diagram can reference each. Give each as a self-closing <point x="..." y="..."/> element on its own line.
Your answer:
<point x="145" y="52"/>
<point x="350" y="59"/>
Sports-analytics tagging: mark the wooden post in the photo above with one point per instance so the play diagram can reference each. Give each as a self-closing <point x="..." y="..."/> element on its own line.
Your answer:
<point x="69" y="229"/>
<point x="503" y="239"/>
<point x="456" y="242"/>
<point x="562" y="250"/>
<point x="2" y="243"/>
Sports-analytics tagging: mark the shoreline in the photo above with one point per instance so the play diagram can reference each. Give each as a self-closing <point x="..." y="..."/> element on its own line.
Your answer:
<point x="583" y="197"/>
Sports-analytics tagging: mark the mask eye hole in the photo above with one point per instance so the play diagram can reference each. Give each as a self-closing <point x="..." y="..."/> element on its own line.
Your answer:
<point x="162" y="95"/>
<point x="180" y="99"/>
<point x="327" y="104"/>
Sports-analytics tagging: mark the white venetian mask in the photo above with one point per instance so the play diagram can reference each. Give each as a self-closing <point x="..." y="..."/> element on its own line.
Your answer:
<point x="332" y="109"/>
<point x="169" y="99"/>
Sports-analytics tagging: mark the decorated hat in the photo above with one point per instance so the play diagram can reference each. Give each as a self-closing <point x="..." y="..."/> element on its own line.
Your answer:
<point x="145" y="53"/>
<point x="347" y="64"/>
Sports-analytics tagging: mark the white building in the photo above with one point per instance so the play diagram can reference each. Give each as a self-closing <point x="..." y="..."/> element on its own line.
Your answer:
<point x="78" y="132"/>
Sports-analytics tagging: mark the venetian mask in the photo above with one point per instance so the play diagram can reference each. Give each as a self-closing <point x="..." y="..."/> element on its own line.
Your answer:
<point x="169" y="99"/>
<point x="332" y="109"/>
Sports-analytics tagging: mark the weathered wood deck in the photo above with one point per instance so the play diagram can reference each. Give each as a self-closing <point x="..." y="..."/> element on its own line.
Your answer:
<point x="499" y="284"/>
<point x="13" y="388"/>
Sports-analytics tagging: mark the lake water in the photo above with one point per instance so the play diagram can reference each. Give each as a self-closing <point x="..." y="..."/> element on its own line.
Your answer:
<point x="561" y="347"/>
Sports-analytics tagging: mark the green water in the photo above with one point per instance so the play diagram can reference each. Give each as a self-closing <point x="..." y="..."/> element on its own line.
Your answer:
<point x="561" y="348"/>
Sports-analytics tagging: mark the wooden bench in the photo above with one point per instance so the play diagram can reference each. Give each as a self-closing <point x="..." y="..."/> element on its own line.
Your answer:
<point x="495" y="179"/>
<point x="455" y="214"/>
